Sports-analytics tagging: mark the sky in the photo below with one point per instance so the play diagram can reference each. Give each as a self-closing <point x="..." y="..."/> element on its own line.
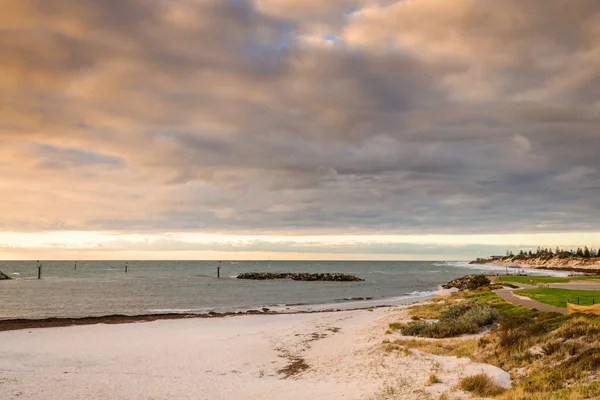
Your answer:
<point x="297" y="129"/>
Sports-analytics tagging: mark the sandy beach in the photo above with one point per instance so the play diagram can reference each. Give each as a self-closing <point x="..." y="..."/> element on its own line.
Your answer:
<point x="336" y="355"/>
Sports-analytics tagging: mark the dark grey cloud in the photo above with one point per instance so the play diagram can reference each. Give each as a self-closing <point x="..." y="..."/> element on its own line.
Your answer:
<point x="238" y="116"/>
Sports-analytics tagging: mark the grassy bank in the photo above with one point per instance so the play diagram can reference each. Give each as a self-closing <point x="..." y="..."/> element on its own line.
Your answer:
<point x="549" y="355"/>
<point x="559" y="297"/>
<point x="545" y="279"/>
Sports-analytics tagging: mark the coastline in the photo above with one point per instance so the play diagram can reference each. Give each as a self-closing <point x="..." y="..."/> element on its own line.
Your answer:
<point x="362" y="354"/>
<point x="285" y="356"/>
<point x="114" y="319"/>
<point x="549" y="264"/>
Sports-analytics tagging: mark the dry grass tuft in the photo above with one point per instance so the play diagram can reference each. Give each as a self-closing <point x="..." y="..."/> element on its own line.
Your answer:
<point x="392" y="347"/>
<point x="442" y="347"/>
<point x="480" y="385"/>
<point x="433" y="379"/>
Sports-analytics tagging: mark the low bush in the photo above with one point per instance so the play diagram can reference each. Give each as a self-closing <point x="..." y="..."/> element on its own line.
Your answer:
<point x="414" y="328"/>
<point x="457" y="320"/>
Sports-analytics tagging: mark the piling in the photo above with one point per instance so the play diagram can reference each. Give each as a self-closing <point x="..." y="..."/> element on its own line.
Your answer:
<point x="125" y="266"/>
<point x="219" y="270"/>
<point x="39" y="265"/>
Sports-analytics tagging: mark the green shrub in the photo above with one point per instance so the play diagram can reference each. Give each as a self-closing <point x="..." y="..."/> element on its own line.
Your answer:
<point x="413" y="329"/>
<point x="459" y="319"/>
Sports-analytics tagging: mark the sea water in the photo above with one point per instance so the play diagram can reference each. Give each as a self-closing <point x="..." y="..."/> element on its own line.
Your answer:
<point x="99" y="288"/>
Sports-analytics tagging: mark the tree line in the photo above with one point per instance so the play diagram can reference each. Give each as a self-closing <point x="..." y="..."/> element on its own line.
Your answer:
<point x="584" y="252"/>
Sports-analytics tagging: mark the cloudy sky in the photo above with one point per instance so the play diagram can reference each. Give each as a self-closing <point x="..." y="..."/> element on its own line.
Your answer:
<point x="382" y="129"/>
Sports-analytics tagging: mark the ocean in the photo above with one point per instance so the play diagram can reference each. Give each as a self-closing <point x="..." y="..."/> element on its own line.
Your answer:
<point x="98" y="288"/>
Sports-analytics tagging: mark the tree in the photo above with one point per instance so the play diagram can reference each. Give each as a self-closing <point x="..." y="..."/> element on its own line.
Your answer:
<point x="530" y="253"/>
<point x="586" y="252"/>
<point x="557" y="251"/>
<point x="579" y="252"/>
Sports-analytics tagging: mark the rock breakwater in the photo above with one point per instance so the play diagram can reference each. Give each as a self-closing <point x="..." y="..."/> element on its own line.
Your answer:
<point x="3" y="276"/>
<point x="469" y="282"/>
<point x="300" y="276"/>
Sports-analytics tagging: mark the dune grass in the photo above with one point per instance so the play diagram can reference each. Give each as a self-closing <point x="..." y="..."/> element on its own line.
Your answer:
<point x="549" y="355"/>
<point x="558" y="297"/>
<point x="557" y="354"/>
<point x="546" y="279"/>
<point x="480" y="385"/>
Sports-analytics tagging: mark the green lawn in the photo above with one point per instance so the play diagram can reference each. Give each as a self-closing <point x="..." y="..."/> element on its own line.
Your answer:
<point x="546" y="279"/>
<point x="558" y="297"/>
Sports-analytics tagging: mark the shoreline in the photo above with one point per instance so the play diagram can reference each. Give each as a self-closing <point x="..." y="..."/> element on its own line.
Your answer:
<point x="534" y="267"/>
<point x="14" y="324"/>
<point x="552" y="264"/>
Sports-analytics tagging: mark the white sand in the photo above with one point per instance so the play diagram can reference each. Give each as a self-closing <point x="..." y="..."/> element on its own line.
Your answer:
<point x="223" y="358"/>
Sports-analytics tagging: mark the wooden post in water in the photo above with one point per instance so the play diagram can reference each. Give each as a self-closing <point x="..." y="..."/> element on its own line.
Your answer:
<point x="219" y="270"/>
<point x="125" y="266"/>
<point x="39" y="265"/>
<point x="75" y="264"/>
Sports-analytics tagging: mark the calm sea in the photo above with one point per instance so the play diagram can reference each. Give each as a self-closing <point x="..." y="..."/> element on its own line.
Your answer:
<point x="98" y="288"/>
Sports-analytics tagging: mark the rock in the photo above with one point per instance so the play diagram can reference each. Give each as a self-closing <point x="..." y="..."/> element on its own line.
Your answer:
<point x="4" y="277"/>
<point x="300" y="276"/>
<point x="469" y="282"/>
<point x="265" y="309"/>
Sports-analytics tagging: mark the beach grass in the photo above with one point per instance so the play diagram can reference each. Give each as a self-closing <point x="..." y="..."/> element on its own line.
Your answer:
<point x="444" y="347"/>
<point x="549" y="355"/>
<point x="556" y="355"/>
<point x="545" y="279"/>
<point x="559" y="297"/>
<point x="480" y="385"/>
<point x="433" y="379"/>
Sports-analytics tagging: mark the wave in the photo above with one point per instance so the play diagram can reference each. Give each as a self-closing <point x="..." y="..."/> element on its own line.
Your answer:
<point x="348" y="303"/>
<point x="421" y="294"/>
<point x="354" y="298"/>
<point x="16" y="274"/>
<point x="179" y="310"/>
<point x="499" y="268"/>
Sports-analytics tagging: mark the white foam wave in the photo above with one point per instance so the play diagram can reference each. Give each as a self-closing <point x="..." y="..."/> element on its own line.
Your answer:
<point x="418" y="294"/>
<point x="177" y="310"/>
<point x="499" y="268"/>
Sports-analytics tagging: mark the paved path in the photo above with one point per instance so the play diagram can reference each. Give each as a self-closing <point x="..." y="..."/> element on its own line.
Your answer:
<point x="509" y="296"/>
